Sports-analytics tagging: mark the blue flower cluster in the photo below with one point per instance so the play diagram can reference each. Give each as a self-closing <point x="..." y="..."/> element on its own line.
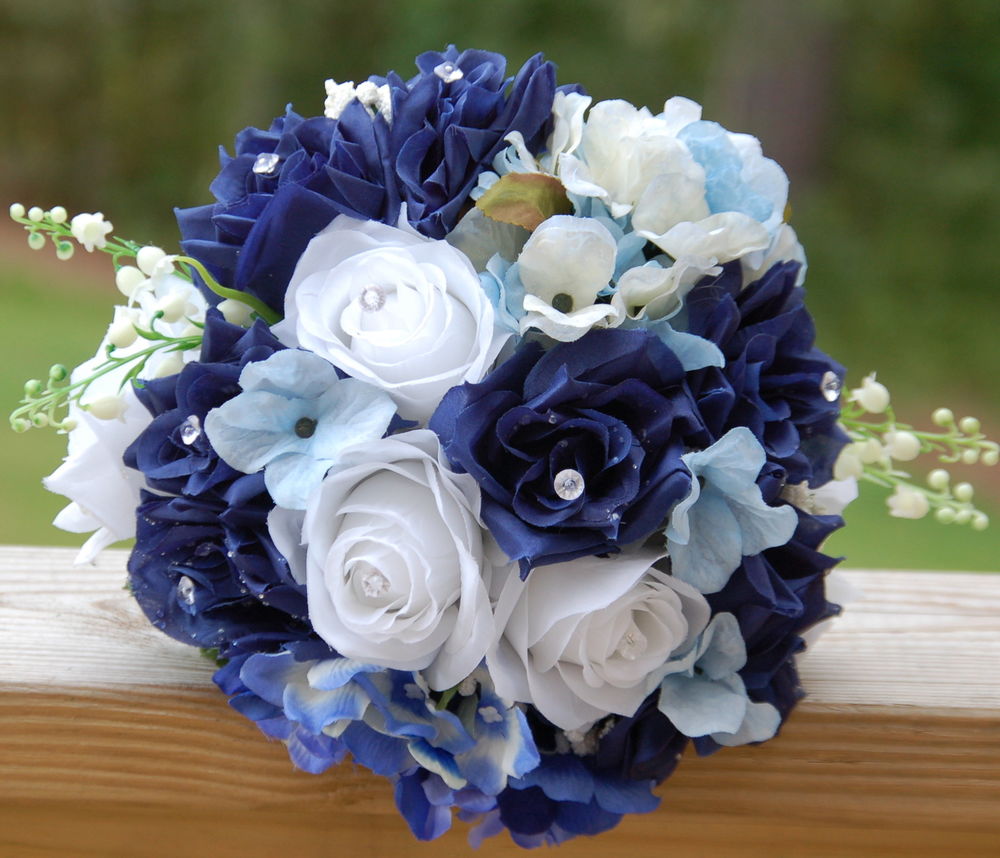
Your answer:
<point x="445" y="129"/>
<point x="611" y="511"/>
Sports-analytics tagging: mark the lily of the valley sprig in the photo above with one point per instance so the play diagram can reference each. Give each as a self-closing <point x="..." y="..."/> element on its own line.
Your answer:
<point x="879" y="441"/>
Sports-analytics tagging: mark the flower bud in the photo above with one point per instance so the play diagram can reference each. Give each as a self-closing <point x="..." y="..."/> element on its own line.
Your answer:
<point x="870" y="451"/>
<point x="943" y="417"/>
<point x="149" y="258"/>
<point x="848" y="465"/>
<point x="991" y="456"/>
<point x="122" y="333"/>
<point x="36" y="241"/>
<point x="58" y="214"/>
<point x="128" y="278"/>
<point x="235" y="312"/>
<point x="36" y="214"/>
<point x="902" y="445"/>
<point x="170" y="365"/>
<point x="970" y="456"/>
<point x="969" y="425"/>
<point x="963" y="492"/>
<point x="172" y="306"/>
<point x="64" y="250"/>
<point x="907" y="502"/>
<point x="873" y="396"/>
<point x="33" y="389"/>
<point x="980" y="521"/>
<point x="938" y="479"/>
<point x="963" y="516"/>
<point x="16" y="211"/>
<point x="945" y="515"/>
<point x="107" y="407"/>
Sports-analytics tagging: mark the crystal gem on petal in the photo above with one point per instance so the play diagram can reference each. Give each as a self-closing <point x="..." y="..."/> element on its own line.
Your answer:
<point x="185" y="590"/>
<point x="372" y="298"/>
<point x="830" y="385"/>
<point x="568" y="484"/>
<point x="266" y="163"/>
<point x="448" y="72"/>
<point x="191" y="430"/>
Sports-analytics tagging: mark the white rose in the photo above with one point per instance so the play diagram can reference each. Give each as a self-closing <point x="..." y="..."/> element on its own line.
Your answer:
<point x="578" y="639"/>
<point x="392" y="308"/>
<point x="397" y="569"/>
<point x="103" y="491"/>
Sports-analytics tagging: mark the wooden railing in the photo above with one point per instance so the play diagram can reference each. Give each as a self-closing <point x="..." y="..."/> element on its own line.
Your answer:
<point x="114" y="742"/>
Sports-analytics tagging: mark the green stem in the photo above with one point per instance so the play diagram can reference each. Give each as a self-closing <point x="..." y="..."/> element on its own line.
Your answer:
<point x="252" y="301"/>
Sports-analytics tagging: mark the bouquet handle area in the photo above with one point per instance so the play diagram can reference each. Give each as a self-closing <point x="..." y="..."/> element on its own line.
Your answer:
<point x="115" y="742"/>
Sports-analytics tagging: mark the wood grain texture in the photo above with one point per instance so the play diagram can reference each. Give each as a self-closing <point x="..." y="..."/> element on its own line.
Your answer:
<point x="115" y="743"/>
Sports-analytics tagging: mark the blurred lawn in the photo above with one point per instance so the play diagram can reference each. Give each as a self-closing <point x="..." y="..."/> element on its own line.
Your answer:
<point x="58" y="314"/>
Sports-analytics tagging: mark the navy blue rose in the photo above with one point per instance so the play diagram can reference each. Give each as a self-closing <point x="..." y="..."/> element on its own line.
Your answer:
<point x="204" y="568"/>
<point x="280" y="188"/>
<point x="285" y="184"/>
<point x="775" y="381"/>
<point x="450" y="121"/>
<point x="577" y="450"/>
<point x="184" y="575"/>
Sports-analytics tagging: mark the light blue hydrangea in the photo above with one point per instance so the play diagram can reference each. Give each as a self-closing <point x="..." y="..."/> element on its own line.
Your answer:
<point x="724" y="517"/>
<point x="736" y="181"/>
<point x="703" y="695"/>
<point x="295" y="418"/>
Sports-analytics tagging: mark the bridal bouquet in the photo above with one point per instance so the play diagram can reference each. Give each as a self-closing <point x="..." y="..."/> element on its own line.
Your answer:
<point x="478" y="432"/>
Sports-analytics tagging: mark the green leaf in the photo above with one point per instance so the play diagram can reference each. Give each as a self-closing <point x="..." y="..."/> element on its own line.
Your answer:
<point x="525" y="199"/>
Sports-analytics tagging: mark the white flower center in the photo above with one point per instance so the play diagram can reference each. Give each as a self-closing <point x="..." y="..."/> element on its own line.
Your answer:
<point x="372" y="298"/>
<point x="632" y="643"/>
<point x="374" y="583"/>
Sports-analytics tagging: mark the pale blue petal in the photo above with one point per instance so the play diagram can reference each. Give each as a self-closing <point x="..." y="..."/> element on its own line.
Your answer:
<point x="714" y="549"/>
<point x="334" y="673"/>
<point x="350" y="412"/>
<point x="692" y="351"/>
<point x="760" y="724"/>
<point x="723" y="650"/>
<point x="764" y="526"/>
<point x="290" y="479"/>
<point x="251" y="429"/>
<point x="711" y="530"/>
<point x="304" y="373"/>
<point x="698" y="706"/>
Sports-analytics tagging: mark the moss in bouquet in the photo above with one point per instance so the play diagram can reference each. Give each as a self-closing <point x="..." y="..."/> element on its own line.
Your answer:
<point x="48" y="317"/>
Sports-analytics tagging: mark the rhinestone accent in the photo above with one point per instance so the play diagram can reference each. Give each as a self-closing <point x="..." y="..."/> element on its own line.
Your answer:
<point x="830" y="386"/>
<point x="372" y="298"/>
<point x="185" y="590"/>
<point x="191" y="430"/>
<point x="568" y="484"/>
<point x="448" y="72"/>
<point x="266" y="163"/>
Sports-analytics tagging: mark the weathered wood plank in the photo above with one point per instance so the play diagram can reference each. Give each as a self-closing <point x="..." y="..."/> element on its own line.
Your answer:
<point x="113" y="736"/>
